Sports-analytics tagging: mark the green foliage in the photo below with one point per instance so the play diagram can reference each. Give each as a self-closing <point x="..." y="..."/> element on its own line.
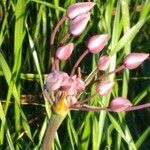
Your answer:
<point x="25" y="28"/>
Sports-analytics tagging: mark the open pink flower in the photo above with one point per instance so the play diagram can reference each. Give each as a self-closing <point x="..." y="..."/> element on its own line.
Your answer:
<point x="97" y="42"/>
<point x="77" y="85"/>
<point x="64" y="52"/>
<point x="133" y="60"/>
<point x="79" y="8"/>
<point x="57" y="79"/>
<point x="103" y="63"/>
<point x="78" y="24"/>
<point x="120" y="104"/>
<point x="104" y="87"/>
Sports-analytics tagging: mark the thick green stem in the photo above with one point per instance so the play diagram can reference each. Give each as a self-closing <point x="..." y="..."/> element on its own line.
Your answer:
<point x="51" y="130"/>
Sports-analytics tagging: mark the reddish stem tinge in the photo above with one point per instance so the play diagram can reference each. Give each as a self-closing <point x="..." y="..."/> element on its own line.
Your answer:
<point x="138" y="107"/>
<point x="120" y="68"/>
<point x="85" y="107"/>
<point x="65" y="38"/>
<point x="56" y="29"/>
<point x="78" y="62"/>
<point x="86" y="100"/>
<point x="57" y="63"/>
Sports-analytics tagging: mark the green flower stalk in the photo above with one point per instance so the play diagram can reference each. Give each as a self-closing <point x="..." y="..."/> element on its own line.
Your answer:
<point x="51" y="130"/>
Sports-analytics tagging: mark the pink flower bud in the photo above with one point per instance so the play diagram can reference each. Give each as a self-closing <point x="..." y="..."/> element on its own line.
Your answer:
<point x="64" y="52"/>
<point x="96" y="43"/>
<point x="120" y="104"/>
<point x="57" y="79"/>
<point x="104" y="87"/>
<point x="103" y="63"/>
<point x="78" y="24"/>
<point x="79" y="8"/>
<point x="133" y="60"/>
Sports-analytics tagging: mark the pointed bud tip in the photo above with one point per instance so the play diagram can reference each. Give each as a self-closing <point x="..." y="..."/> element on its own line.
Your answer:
<point x="78" y="24"/>
<point x="64" y="52"/>
<point x="104" y="87"/>
<point x="133" y="60"/>
<point x="103" y="63"/>
<point x="97" y="42"/>
<point x="120" y="104"/>
<point x="78" y="8"/>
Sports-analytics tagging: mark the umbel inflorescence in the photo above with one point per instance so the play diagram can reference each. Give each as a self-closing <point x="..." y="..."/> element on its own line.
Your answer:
<point x="63" y="89"/>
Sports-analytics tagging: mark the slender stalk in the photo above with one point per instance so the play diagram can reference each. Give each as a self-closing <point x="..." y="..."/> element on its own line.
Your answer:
<point x="138" y="107"/>
<point x="90" y="108"/>
<point x="85" y="107"/>
<point x="78" y="62"/>
<point x="56" y="29"/>
<point x="120" y="68"/>
<point x="91" y="76"/>
<point x="48" y="96"/>
<point x="65" y="38"/>
<point x="56" y="61"/>
<point x="86" y="100"/>
<point x="51" y="130"/>
<point x="53" y="64"/>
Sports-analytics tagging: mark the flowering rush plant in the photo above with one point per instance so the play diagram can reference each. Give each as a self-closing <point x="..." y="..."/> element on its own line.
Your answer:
<point x="64" y="89"/>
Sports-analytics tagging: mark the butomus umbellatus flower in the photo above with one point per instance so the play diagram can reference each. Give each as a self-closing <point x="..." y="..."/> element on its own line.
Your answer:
<point x="79" y="8"/>
<point x="97" y="42"/>
<point x="120" y="104"/>
<point x="67" y="90"/>
<point x="64" y="52"/>
<point x="64" y="88"/>
<point x="133" y="60"/>
<point x="78" y="24"/>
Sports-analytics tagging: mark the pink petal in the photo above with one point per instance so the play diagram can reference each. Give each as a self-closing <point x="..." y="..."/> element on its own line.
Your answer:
<point x="80" y="85"/>
<point x="133" y="60"/>
<point x="97" y="43"/>
<point x="64" y="52"/>
<point x="71" y="100"/>
<point x="120" y="104"/>
<point x="78" y="24"/>
<point x="104" y="87"/>
<point x="79" y="8"/>
<point x="103" y="63"/>
<point x="77" y="85"/>
<point x="56" y="80"/>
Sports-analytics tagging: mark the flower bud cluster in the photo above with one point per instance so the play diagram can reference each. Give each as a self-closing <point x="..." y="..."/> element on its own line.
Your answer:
<point x="79" y="15"/>
<point x="64" y="87"/>
<point x="59" y="81"/>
